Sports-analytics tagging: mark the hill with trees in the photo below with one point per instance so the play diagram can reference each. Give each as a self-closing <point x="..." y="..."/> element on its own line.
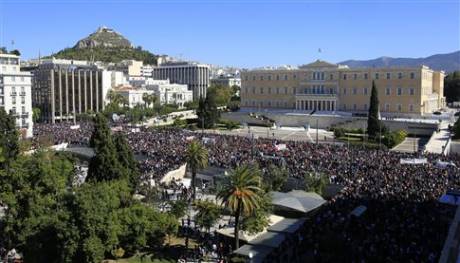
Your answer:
<point x="106" y="45"/>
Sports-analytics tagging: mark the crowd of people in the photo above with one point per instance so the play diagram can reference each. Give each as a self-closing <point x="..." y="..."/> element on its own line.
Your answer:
<point x="403" y="222"/>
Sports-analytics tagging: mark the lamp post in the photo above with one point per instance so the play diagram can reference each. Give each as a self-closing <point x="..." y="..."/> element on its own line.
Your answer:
<point x="250" y="255"/>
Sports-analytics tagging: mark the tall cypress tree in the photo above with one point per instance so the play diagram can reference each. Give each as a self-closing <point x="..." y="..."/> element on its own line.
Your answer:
<point x="201" y="112"/>
<point x="9" y="136"/>
<point x="127" y="161"/>
<point x="373" y="122"/>
<point x="104" y="166"/>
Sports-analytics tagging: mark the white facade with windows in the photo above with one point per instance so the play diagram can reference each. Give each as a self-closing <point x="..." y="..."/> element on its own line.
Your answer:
<point x="170" y="93"/>
<point x="15" y="93"/>
<point x="133" y="95"/>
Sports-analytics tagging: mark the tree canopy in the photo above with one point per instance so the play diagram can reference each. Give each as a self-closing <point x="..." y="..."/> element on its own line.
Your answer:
<point x="373" y="122"/>
<point x="452" y="86"/>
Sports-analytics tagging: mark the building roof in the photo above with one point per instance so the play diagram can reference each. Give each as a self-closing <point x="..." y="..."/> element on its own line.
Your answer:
<point x="268" y="239"/>
<point x="287" y="225"/>
<point x="319" y="64"/>
<point x="297" y="200"/>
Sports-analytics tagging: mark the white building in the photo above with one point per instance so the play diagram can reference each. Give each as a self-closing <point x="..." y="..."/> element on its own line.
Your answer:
<point x="133" y="95"/>
<point x="195" y="75"/>
<point x="169" y="93"/>
<point x="15" y="92"/>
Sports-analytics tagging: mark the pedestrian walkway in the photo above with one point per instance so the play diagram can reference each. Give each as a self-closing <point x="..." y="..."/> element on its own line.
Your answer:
<point x="439" y="139"/>
<point x="411" y="145"/>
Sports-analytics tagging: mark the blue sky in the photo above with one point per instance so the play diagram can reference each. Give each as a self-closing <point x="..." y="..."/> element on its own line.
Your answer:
<point x="242" y="33"/>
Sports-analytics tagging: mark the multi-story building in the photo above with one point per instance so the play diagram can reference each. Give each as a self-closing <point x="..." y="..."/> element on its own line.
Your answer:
<point x="15" y="93"/>
<point x="322" y="86"/>
<point x="195" y="75"/>
<point x="170" y="93"/>
<point x="134" y="96"/>
<point x="228" y="80"/>
<point x="131" y="68"/>
<point x="64" y="90"/>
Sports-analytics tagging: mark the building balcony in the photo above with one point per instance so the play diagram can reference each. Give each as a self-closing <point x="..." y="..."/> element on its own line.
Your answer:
<point x="316" y="95"/>
<point x="13" y="93"/>
<point x="22" y="93"/>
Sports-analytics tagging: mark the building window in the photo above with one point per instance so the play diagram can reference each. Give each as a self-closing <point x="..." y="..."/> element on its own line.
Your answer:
<point x="365" y="107"/>
<point x="399" y="75"/>
<point x="354" y="91"/>
<point x="344" y="106"/>
<point x="261" y="90"/>
<point x="269" y="90"/>
<point x="269" y="104"/>
<point x="322" y="75"/>
<point x="387" y="107"/>
<point x="285" y="90"/>
<point x="269" y="77"/>
<point x="376" y="75"/>
<point x="388" y="75"/>
<point x="14" y="100"/>
<point x="253" y="90"/>
<point x="365" y="91"/>
<point x="261" y="77"/>
<point x="411" y="107"/>
<point x="365" y="76"/>
<point x="344" y="76"/>
<point x="412" y="75"/>
<point x="411" y="91"/>
<point x="399" y="91"/>
<point x="295" y="90"/>
<point x="399" y="107"/>
<point x="345" y="91"/>
<point x="355" y="76"/>
<point x="253" y="77"/>
<point x="294" y="77"/>
<point x="13" y="79"/>
<point x="246" y="78"/>
<point x="331" y="90"/>
<point x="277" y="90"/>
<point x="277" y="77"/>
<point x="246" y="90"/>
<point x="388" y="91"/>
<point x="354" y="106"/>
<point x="331" y="76"/>
<point x="23" y="100"/>
<point x="23" y="109"/>
<point x="253" y="103"/>
<point x="285" y="77"/>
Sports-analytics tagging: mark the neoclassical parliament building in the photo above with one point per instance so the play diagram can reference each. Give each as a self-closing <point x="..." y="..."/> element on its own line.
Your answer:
<point x="325" y="87"/>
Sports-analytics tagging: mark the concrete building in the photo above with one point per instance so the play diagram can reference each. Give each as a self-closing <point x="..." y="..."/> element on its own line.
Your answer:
<point x="169" y="93"/>
<point x="228" y="80"/>
<point x="323" y="86"/>
<point x="195" y="75"/>
<point x="131" y="68"/>
<point x="64" y="90"/>
<point x="134" y="96"/>
<point x="15" y="93"/>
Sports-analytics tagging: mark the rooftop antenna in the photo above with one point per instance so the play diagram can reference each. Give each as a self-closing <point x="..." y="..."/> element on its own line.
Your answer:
<point x="319" y="53"/>
<point x="12" y="44"/>
<point x="39" y="57"/>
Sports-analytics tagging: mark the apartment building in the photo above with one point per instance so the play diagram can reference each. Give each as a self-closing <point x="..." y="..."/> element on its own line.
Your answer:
<point x="323" y="86"/>
<point x="15" y="93"/>
<point x="169" y="93"/>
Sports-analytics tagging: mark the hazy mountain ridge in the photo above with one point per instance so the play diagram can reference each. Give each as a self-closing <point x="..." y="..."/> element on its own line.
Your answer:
<point x="448" y="62"/>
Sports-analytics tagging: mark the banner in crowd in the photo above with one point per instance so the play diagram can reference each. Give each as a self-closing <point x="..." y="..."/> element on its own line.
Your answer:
<point x="413" y="161"/>
<point x="59" y="147"/>
<point x="281" y="147"/>
<point x="75" y="127"/>
<point x="441" y="164"/>
<point x="116" y="128"/>
<point x="190" y="138"/>
<point x="207" y="140"/>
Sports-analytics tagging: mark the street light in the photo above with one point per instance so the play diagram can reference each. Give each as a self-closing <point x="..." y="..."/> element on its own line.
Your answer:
<point x="250" y="255"/>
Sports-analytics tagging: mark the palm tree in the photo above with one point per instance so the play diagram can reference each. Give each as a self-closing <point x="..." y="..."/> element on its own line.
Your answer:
<point x="207" y="213"/>
<point x="241" y="194"/>
<point x="197" y="158"/>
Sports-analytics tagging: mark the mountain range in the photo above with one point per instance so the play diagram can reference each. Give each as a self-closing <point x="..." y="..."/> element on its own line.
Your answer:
<point x="448" y="62"/>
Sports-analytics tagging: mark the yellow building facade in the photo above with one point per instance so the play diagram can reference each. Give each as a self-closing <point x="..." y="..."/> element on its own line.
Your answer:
<point x="327" y="87"/>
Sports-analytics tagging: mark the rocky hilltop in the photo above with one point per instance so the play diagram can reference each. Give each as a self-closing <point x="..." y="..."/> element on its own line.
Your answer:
<point x="104" y="37"/>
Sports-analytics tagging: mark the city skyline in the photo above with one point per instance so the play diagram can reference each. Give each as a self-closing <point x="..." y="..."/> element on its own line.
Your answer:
<point x="234" y="33"/>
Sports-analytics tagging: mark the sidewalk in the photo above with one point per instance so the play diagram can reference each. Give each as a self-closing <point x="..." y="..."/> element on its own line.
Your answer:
<point x="439" y="139"/>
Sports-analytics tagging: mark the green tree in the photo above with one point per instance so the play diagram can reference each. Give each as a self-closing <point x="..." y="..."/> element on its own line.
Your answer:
<point x="452" y="86"/>
<point x="373" y="122"/>
<point x="9" y="139"/>
<point x="456" y="129"/>
<point x="207" y="213"/>
<point x="259" y="219"/>
<point x="197" y="158"/>
<point x="36" y="112"/>
<point x="212" y="114"/>
<point x="241" y="194"/>
<point x="275" y="177"/>
<point x="104" y="166"/>
<point x="314" y="182"/>
<point x="178" y="208"/>
<point x="15" y="52"/>
<point x="127" y="160"/>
